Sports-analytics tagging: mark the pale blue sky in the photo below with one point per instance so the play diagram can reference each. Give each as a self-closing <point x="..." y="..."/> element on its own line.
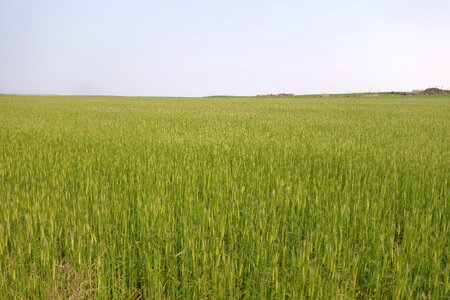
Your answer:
<point x="246" y="47"/>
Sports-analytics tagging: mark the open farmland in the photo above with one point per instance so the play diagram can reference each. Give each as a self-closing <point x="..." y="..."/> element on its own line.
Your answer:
<point x="263" y="197"/>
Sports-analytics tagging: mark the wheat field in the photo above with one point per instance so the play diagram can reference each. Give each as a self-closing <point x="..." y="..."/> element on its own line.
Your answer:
<point x="299" y="197"/>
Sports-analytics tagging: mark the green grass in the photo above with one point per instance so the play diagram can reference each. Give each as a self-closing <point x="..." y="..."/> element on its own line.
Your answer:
<point x="224" y="198"/>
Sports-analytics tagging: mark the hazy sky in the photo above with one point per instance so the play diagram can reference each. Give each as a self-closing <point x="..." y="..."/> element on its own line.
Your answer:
<point x="245" y="47"/>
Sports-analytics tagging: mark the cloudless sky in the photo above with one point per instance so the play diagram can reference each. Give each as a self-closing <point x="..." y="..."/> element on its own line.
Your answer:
<point x="233" y="47"/>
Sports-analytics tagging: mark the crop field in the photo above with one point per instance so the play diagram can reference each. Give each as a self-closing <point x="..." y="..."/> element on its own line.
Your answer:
<point x="224" y="197"/>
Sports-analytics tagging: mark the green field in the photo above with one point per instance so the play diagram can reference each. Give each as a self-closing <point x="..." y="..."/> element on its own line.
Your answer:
<point x="224" y="197"/>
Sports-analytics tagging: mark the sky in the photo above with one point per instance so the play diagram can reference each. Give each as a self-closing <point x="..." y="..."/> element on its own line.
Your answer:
<point x="233" y="47"/>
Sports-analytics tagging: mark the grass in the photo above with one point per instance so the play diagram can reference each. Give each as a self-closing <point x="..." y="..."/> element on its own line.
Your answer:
<point x="228" y="198"/>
